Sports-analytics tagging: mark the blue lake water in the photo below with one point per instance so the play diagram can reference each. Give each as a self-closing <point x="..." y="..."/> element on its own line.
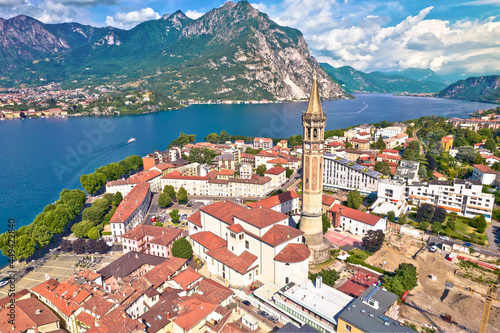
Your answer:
<point x="40" y="157"/>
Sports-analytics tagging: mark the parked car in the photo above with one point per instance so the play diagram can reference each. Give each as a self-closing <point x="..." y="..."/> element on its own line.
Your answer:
<point x="153" y="219"/>
<point x="247" y="303"/>
<point x="467" y="244"/>
<point x="263" y="313"/>
<point x="273" y="319"/>
<point x="6" y="280"/>
<point x="29" y="269"/>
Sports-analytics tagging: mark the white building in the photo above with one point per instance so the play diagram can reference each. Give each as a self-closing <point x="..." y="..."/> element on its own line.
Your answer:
<point x="464" y="197"/>
<point x="260" y="245"/>
<point x="407" y="171"/>
<point x="131" y="211"/>
<point x="264" y="143"/>
<point x="387" y="132"/>
<point x="341" y="173"/>
<point x="285" y="203"/>
<point x="484" y="174"/>
<point x="246" y="171"/>
<point x="390" y="197"/>
<point x="277" y="175"/>
<point x="355" y="221"/>
<point x="124" y="186"/>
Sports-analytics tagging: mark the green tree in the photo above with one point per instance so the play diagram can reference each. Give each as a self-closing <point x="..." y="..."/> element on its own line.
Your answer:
<point x="261" y="170"/>
<point x="380" y="143"/>
<point x="224" y="137"/>
<point x="212" y="138"/>
<point x="466" y="154"/>
<point x="182" y="195"/>
<point x="439" y="215"/>
<point x="93" y="182"/>
<point x="436" y="227"/>
<point x="109" y="198"/>
<point x="174" y="215"/>
<point x="326" y="223"/>
<point x="117" y="199"/>
<point x="391" y="216"/>
<point x="383" y="167"/>
<point x="425" y="212"/>
<point x="289" y="172"/>
<point x="404" y="278"/>
<point x="42" y="235"/>
<point x="94" y="233"/>
<point x="158" y="224"/>
<point x="169" y="190"/>
<point x="164" y="200"/>
<point x="93" y="214"/>
<point x="491" y="145"/>
<point x="423" y="226"/>
<point x="373" y="240"/>
<point x="402" y="218"/>
<point x="81" y="229"/>
<point x="328" y="276"/>
<point x="24" y="247"/>
<point x="354" y="199"/>
<point x="182" y="249"/>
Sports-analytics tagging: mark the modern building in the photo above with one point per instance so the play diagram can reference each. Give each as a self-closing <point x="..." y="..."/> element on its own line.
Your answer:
<point x="390" y="197"/>
<point x="484" y="174"/>
<point x="264" y="143"/>
<point x="131" y="211"/>
<point x="387" y="132"/>
<point x="340" y="173"/>
<point x="243" y="244"/>
<point x="461" y="196"/>
<point x="407" y="171"/>
<point x="286" y="203"/>
<point x="355" y="221"/>
<point x="373" y="311"/>
<point x="475" y="124"/>
<point x="150" y="239"/>
<point x="246" y="171"/>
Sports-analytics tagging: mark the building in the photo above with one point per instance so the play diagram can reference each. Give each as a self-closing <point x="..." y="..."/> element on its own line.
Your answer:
<point x="264" y="143"/>
<point x="461" y="196"/>
<point x="359" y="282"/>
<point x="388" y="132"/>
<point x="309" y="303"/>
<point x="332" y="147"/>
<point x="390" y="197"/>
<point x="131" y="211"/>
<point x="161" y="157"/>
<point x="225" y="161"/>
<point x="263" y="156"/>
<point x="447" y="142"/>
<point x="341" y="173"/>
<point x="151" y="240"/>
<point x="407" y="171"/>
<point x="395" y="141"/>
<point x="373" y="311"/>
<point x="124" y="186"/>
<point x="243" y="244"/>
<point x="286" y="203"/>
<point x="277" y="175"/>
<point x="291" y="328"/>
<point x="164" y="168"/>
<point x="313" y="122"/>
<point x="283" y="144"/>
<point x="246" y="171"/>
<point x="360" y="144"/>
<point x="484" y="174"/>
<point x="327" y="202"/>
<point x="355" y="221"/>
<point x="475" y="124"/>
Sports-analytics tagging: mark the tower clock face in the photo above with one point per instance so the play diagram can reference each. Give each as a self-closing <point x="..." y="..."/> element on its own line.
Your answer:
<point x="308" y="146"/>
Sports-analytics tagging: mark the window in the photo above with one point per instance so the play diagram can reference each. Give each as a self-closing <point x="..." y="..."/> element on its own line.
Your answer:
<point x="247" y="245"/>
<point x="287" y="280"/>
<point x="347" y="328"/>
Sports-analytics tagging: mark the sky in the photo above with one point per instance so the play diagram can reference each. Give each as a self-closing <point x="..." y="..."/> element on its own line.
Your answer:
<point x="458" y="38"/>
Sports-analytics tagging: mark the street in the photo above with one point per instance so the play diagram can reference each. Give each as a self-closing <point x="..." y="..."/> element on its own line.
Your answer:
<point x="493" y="234"/>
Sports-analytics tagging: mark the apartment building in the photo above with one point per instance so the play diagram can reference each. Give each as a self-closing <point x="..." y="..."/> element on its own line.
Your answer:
<point x="341" y="173"/>
<point x="355" y="221"/>
<point x="156" y="241"/>
<point x="264" y="143"/>
<point x="388" y="132"/>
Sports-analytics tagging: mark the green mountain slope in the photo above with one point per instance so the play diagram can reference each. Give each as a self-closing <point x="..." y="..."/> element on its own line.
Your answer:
<point x="419" y="74"/>
<point x="377" y="82"/>
<point x="481" y="89"/>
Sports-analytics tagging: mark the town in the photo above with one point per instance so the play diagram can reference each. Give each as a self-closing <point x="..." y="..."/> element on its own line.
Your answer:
<point x="387" y="227"/>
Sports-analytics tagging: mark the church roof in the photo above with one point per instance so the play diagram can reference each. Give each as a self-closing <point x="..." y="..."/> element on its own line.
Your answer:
<point x="314" y="105"/>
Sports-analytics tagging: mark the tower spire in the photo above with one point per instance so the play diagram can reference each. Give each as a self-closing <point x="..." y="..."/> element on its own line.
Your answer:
<point x="314" y="105"/>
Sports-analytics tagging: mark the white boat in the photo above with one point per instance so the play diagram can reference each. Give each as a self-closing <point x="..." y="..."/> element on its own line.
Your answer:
<point x="131" y="140"/>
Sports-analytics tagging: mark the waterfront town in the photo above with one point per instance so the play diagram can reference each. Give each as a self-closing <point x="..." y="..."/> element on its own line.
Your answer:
<point x="352" y="233"/>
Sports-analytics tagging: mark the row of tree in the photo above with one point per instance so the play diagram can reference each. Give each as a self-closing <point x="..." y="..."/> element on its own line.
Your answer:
<point x="112" y="171"/>
<point x="168" y="195"/>
<point x="52" y="221"/>
<point x="80" y="246"/>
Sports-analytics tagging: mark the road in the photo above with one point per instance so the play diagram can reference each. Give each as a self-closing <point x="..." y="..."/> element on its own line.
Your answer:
<point x="478" y="248"/>
<point x="293" y="178"/>
<point x="153" y="209"/>
<point x="415" y="135"/>
<point x="493" y="234"/>
<point x="253" y="311"/>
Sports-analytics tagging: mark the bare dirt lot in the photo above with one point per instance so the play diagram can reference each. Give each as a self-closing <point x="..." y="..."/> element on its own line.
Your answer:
<point x="424" y="304"/>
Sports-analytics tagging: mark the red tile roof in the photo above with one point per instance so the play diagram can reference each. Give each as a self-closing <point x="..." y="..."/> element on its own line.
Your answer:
<point x="363" y="133"/>
<point x="193" y="309"/>
<point x="86" y="318"/>
<point x="223" y="210"/>
<point x="335" y="144"/>
<point x="130" y="203"/>
<point x="64" y="296"/>
<point x="226" y="172"/>
<point x="279" y="233"/>
<point x="26" y="317"/>
<point x="275" y="200"/>
<point x="195" y="218"/>
<point x="166" y="237"/>
<point x="327" y="200"/>
<point x="393" y="151"/>
<point x="278" y="160"/>
<point x="360" y="140"/>
<point x="209" y="240"/>
<point x="275" y="170"/>
<point x="260" y="217"/>
<point x="214" y="291"/>
<point x="357" y="284"/>
<point x="293" y="253"/>
<point x="164" y="271"/>
<point x="36" y="311"/>
<point x="484" y="168"/>
<point x="235" y="328"/>
<point x="355" y="214"/>
<point x="186" y="278"/>
<point x="236" y="228"/>
<point x="263" y="139"/>
<point x="98" y="305"/>
<point x="264" y="153"/>
<point x="164" y="166"/>
<point x="145" y="176"/>
<point x="241" y="263"/>
<point x="143" y="230"/>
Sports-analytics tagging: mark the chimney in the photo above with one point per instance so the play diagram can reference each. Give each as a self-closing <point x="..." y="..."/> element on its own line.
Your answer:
<point x="319" y="282"/>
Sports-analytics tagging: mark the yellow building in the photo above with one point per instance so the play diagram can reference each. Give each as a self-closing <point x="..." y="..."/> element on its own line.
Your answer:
<point x="447" y="142"/>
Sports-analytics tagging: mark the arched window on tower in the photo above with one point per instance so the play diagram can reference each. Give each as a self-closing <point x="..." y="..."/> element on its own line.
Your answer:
<point x="315" y="134"/>
<point x="309" y="133"/>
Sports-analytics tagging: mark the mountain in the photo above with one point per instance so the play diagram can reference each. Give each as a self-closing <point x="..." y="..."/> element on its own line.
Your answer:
<point x="481" y="89"/>
<point x="377" y="82"/>
<point x="418" y="74"/>
<point x="231" y="52"/>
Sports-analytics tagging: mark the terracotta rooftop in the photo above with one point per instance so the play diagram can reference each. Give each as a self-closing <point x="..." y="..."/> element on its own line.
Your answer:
<point x="237" y="228"/>
<point x="357" y="284"/>
<point x="240" y="263"/>
<point x="226" y="172"/>
<point x="223" y="210"/>
<point x="166" y="237"/>
<point x="64" y="296"/>
<point x="235" y="328"/>
<point x="484" y="168"/>
<point x="355" y="214"/>
<point x="145" y="176"/>
<point x="208" y="240"/>
<point x="86" y="318"/>
<point x="164" y="271"/>
<point x="164" y="166"/>
<point x="128" y="263"/>
<point x="279" y="234"/>
<point x="130" y="203"/>
<point x="327" y="200"/>
<point x="275" y="170"/>
<point x="24" y="293"/>
<point x="263" y="139"/>
<point x="267" y="154"/>
<point x="186" y="278"/>
<point x="118" y="321"/>
<point x="278" y="160"/>
<point x="143" y="230"/>
<point x="275" y="200"/>
<point x="193" y="309"/>
<point x="98" y="305"/>
<point x="36" y="311"/>
<point x="260" y="217"/>
<point x="214" y="291"/>
<point x="195" y="218"/>
<point x="293" y="253"/>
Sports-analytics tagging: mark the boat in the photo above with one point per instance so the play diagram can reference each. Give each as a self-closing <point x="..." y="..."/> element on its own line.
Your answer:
<point x="131" y="140"/>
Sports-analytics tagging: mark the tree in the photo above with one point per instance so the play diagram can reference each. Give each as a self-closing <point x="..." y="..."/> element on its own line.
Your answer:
<point x="174" y="215"/>
<point x="79" y="246"/>
<point x="391" y="216"/>
<point x="212" y="138"/>
<point x="101" y="246"/>
<point x="383" y="167"/>
<point x="423" y="226"/>
<point x="289" y="172"/>
<point x="66" y="245"/>
<point x="164" y="200"/>
<point x="431" y="163"/>
<point x="93" y="182"/>
<point x="117" y="199"/>
<point x="182" y="195"/>
<point x="42" y="235"/>
<point x="329" y="277"/>
<point x="354" y="199"/>
<point x="436" y="227"/>
<point x="90" y="246"/>
<point x="182" y="249"/>
<point x="81" y="229"/>
<point x="109" y="198"/>
<point x="402" y="218"/>
<point x="24" y="247"/>
<point x="94" y="233"/>
<point x="93" y="214"/>
<point x="326" y="223"/>
<point x="466" y="154"/>
<point x="373" y="240"/>
<point x="158" y="224"/>
<point x="422" y="171"/>
<point x="170" y="190"/>
<point x="404" y="278"/>
<point x="425" y="212"/>
<point x="380" y="143"/>
<point x="261" y="170"/>
<point x="479" y="223"/>
<point x="439" y="215"/>
<point x="224" y="137"/>
<point x="491" y="145"/>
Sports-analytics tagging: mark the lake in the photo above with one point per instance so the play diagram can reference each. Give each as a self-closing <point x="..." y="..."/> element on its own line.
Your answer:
<point x="40" y="157"/>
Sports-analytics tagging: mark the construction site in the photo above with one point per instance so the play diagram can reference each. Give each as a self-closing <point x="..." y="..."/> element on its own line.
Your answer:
<point x="450" y="296"/>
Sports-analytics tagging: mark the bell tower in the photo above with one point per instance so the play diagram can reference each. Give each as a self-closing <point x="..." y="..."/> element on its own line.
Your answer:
<point x="314" y="122"/>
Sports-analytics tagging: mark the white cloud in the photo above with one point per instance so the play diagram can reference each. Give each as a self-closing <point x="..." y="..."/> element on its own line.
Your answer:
<point x="193" y="14"/>
<point x="131" y="19"/>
